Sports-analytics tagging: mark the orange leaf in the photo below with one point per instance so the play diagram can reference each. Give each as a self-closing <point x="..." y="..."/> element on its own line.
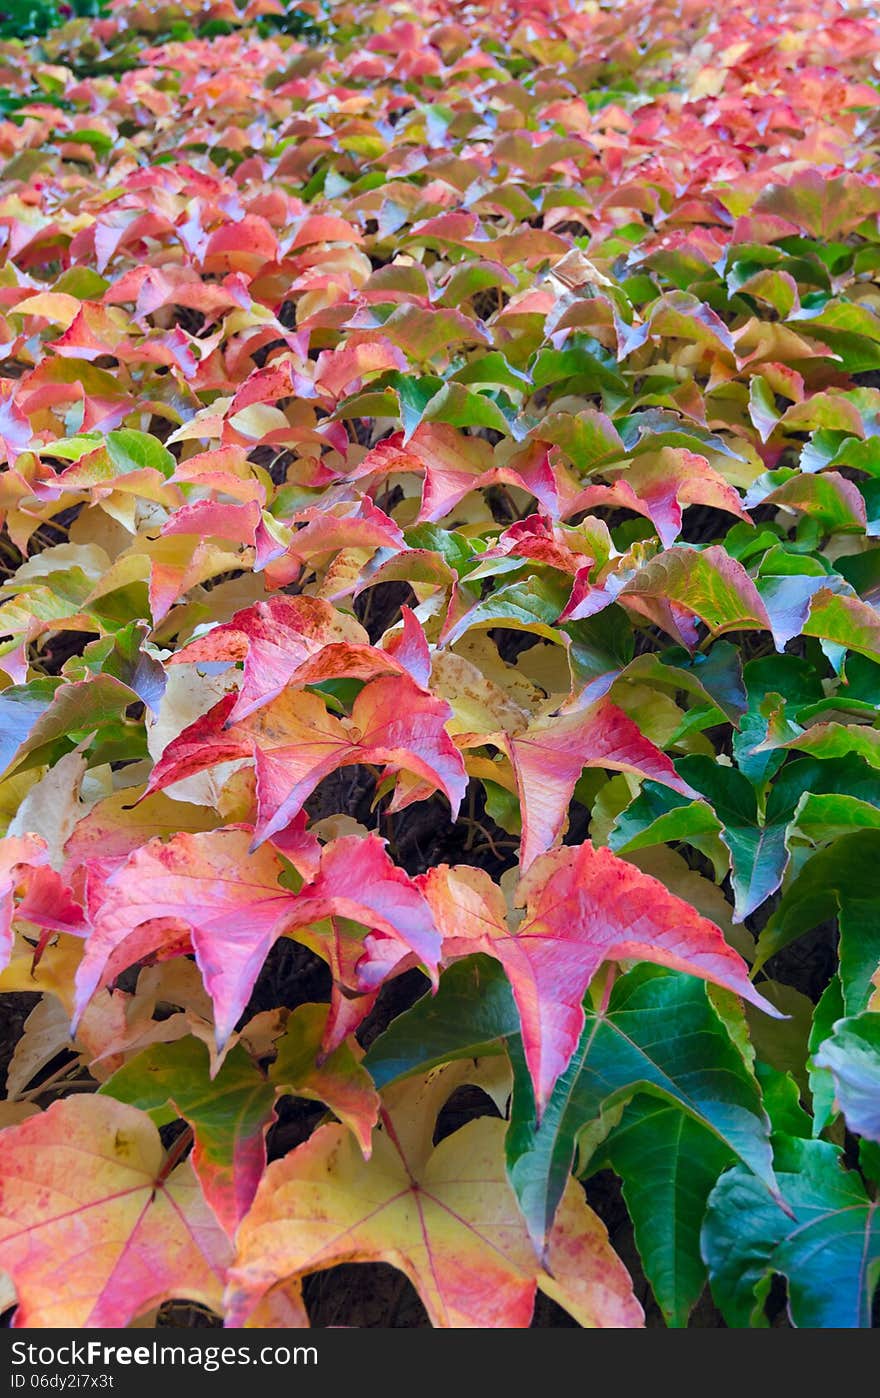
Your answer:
<point x="84" y="1188"/>
<point x="445" y="1216"/>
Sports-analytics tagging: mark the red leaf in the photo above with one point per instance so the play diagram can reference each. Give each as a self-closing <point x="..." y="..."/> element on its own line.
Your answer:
<point x="45" y="900"/>
<point x="295" y="742"/>
<point x="584" y="906"/>
<point x="659" y="485"/>
<point x="212" y="895"/>
<point x="286" y="640"/>
<point x="204" y="893"/>
<point x="548" y="759"/>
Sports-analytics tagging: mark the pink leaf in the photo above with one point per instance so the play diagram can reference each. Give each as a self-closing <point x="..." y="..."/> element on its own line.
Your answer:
<point x="584" y="906"/>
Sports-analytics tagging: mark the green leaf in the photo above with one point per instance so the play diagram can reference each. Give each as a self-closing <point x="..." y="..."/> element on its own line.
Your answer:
<point x="588" y="439"/>
<point x="759" y="852"/>
<point x="657" y="815"/>
<point x="134" y="451"/>
<point x="825" y="817"/>
<point x="459" y="406"/>
<point x="827" y="1244"/>
<point x="660" y="1034"/>
<point x="339" y="1079"/>
<point x="840" y="740"/>
<point x="93" y="706"/>
<point x="532" y="606"/>
<point x="826" y="1014"/>
<point x="843" y="882"/>
<point x="782" y="1102"/>
<point x="472" y="1012"/>
<point x="491" y="368"/>
<point x="668" y="1163"/>
<point x="716" y="677"/>
<point x="781" y="1044"/>
<point x="852" y="1056"/>
<point x="122" y="656"/>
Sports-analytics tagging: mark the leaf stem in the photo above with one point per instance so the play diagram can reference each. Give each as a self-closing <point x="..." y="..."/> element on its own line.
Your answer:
<point x="178" y="1149"/>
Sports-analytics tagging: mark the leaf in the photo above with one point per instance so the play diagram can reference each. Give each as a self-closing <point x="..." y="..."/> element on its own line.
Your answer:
<point x="230" y="1115"/>
<point x="715" y="676"/>
<point x="683" y="583"/>
<point x="842" y="881"/>
<point x="204" y="893"/>
<point x="669" y="1163"/>
<point x="44" y="898"/>
<point x="852" y="1055"/>
<point x="20" y="708"/>
<point x="822" y="205"/>
<point x="660" y="485"/>
<point x="827" y="1244"/>
<point x="122" y="655"/>
<point x="122" y="822"/>
<point x="670" y="1150"/>
<point x="583" y="907"/>
<point x="46" y="1034"/>
<point x="759" y="845"/>
<point x="338" y="1078"/>
<point x="76" y="711"/>
<point x="210" y="894"/>
<point x="283" y="640"/>
<point x="845" y="621"/>
<point x="86" y="1180"/>
<point x="831" y="740"/>
<point x="295" y="743"/>
<point x="357" y="880"/>
<point x="655" y="817"/>
<point x="533" y="606"/>
<point x="548" y="759"/>
<point x="655" y="1037"/>
<point x="53" y="806"/>
<point x="443" y="1215"/>
<point x="471" y="1013"/>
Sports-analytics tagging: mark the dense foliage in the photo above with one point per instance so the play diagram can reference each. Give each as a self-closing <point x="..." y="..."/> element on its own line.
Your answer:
<point x="441" y="663"/>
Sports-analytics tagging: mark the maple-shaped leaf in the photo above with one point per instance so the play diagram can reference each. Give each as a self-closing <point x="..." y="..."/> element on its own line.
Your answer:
<point x="444" y="1215"/>
<point x="86" y="1180"/>
<point x="211" y="894"/>
<point x="284" y="640"/>
<point x="549" y="756"/>
<point x="204" y="893"/>
<point x="659" y="485"/>
<point x="295" y="742"/>
<point x="583" y="906"/>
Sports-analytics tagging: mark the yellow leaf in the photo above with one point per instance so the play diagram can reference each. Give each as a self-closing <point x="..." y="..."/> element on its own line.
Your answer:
<point x="445" y="1216"/>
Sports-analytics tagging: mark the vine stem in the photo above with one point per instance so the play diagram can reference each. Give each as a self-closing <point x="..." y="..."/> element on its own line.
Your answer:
<point x="178" y="1149"/>
<point x="57" y="1076"/>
